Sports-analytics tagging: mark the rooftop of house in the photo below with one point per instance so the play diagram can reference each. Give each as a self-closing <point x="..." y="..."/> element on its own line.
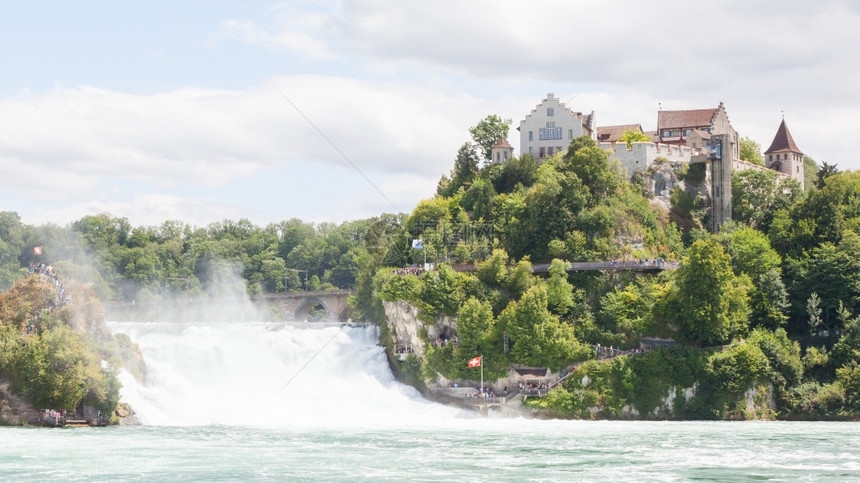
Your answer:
<point x="502" y="143"/>
<point x="783" y="141"/>
<point x="612" y="134"/>
<point x="681" y="119"/>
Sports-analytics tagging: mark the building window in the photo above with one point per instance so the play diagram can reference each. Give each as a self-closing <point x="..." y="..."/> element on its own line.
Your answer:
<point x="550" y="111"/>
<point x="530" y="150"/>
<point x="570" y="134"/>
<point x="550" y="132"/>
<point x="718" y="192"/>
<point x="531" y="136"/>
<point x="549" y="151"/>
<point x="541" y="153"/>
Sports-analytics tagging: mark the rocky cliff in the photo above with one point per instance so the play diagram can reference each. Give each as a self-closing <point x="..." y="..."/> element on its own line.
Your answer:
<point x="14" y="410"/>
<point x="408" y="330"/>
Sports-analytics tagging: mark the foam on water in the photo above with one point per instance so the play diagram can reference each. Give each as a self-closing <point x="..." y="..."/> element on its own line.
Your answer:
<point x="268" y="374"/>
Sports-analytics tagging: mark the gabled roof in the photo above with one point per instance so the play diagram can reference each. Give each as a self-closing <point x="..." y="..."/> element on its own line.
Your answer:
<point x="680" y="119"/>
<point x="502" y="143"/>
<point x="612" y="134"/>
<point x="565" y="109"/>
<point x="702" y="134"/>
<point x="783" y="141"/>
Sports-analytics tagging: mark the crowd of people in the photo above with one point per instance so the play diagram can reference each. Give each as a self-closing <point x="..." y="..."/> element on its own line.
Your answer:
<point x="608" y="352"/>
<point x="640" y="262"/>
<point x="52" y="417"/>
<point x="413" y="270"/>
<point x="443" y="341"/>
<point x="487" y="394"/>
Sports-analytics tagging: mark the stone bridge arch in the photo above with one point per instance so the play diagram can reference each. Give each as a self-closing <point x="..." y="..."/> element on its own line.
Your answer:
<point x="305" y="306"/>
<point x="297" y="306"/>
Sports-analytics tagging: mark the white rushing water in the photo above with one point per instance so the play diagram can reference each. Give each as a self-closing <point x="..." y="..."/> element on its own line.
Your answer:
<point x="269" y="374"/>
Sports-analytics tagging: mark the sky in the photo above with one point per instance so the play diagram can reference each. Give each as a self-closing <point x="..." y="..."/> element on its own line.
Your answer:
<point x="328" y="111"/>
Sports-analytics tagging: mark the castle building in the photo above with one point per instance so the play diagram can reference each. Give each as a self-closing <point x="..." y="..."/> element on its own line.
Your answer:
<point x="695" y="126"/>
<point x="784" y="156"/>
<point x="502" y="151"/>
<point x="550" y="128"/>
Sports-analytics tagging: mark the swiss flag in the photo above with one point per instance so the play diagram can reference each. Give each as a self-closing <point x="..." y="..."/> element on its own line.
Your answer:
<point x="475" y="362"/>
<point x="37" y="250"/>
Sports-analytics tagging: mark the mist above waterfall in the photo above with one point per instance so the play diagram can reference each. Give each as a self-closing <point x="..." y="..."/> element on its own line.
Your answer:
<point x="270" y="374"/>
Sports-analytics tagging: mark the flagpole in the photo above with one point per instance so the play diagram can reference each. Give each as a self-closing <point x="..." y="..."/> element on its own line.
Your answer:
<point x="482" y="374"/>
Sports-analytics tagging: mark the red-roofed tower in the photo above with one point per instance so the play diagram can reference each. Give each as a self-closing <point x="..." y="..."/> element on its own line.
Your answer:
<point x="784" y="156"/>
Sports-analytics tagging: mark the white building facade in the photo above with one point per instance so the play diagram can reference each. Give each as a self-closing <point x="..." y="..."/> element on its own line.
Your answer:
<point x="550" y="128"/>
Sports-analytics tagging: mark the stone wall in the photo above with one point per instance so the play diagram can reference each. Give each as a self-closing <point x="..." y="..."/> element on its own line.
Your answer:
<point x="641" y="155"/>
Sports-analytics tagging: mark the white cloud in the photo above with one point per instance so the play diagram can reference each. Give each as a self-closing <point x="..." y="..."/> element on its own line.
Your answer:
<point x="391" y="90"/>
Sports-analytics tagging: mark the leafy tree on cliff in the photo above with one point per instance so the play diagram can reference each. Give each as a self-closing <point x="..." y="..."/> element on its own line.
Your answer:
<point x="12" y="235"/>
<point x="538" y="338"/>
<point x="591" y="165"/>
<point x="707" y="301"/>
<point x="559" y="290"/>
<point x="750" y="151"/>
<point x="757" y="194"/>
<point x="476" y="330"/>
<point x="833" y="272"/>
<point x="465" y="170"/>
<point x="487" y="133"/>
<point x="630" y="136"/>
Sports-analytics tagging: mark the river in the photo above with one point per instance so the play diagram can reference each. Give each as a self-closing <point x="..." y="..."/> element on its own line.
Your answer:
<point x="291" y="402"/>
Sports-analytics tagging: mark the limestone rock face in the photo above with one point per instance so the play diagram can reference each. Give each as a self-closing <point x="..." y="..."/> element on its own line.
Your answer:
<point x="407" y="328"/>
<point x="14" y="411"/>
<point x="663" y="177"/>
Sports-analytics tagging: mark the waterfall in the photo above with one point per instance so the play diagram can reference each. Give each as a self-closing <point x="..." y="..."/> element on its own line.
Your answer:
<point x="270" y="374"/>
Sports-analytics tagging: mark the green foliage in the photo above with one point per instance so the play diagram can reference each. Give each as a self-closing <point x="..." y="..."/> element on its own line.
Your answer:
<point x="630" y="136"/>
<point x="55" y="367"/>
<point x="475" y="325"/>
<point x="412" y="370"/>
<point x="750" y="151"/>
<point x="707" y="301"/>
<point x="574" y="403"/>
<point x="810" y="173"/>
<point x="487" y="133"/>
<point x="695" y="174"/>
<point x="832" y="271"/>
<point x="537" y="337"/>
<point x="758" y="194"/>
<point x="494" y="270"/>
<point x="559" y="290"/>
<point x="520" y="278"/>
<point x="591" y="165"/>
<point x="465" y="170"/>
<point x="783" y="356"/>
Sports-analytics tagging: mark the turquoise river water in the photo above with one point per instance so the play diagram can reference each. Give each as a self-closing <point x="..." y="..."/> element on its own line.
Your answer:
<point x="281" y="402"/>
